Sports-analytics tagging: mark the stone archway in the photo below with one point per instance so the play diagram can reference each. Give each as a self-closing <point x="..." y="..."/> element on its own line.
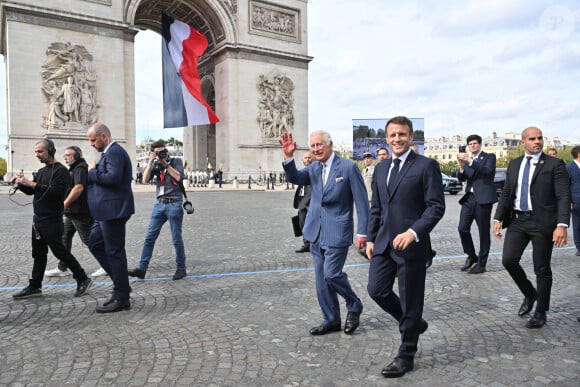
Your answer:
<point x="247" y="41"/>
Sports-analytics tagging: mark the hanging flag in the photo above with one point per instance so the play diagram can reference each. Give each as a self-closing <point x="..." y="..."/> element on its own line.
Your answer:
<point x="183" y="103"/>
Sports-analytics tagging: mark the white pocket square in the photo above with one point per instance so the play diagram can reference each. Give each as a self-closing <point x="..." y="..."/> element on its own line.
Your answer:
<point x="339" y="179"/>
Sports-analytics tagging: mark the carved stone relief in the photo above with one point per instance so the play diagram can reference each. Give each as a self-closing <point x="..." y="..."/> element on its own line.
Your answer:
<point x="274" y="21"/>
<point x="275" y="104"/>
<point x="231" y="5"/>
<point x="69" y="87"/>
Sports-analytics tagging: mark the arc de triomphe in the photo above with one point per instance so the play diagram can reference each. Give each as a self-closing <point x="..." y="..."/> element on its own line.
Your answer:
<point x="70" y="63"/>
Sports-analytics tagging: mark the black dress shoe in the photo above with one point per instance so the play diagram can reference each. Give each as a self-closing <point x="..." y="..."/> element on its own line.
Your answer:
<point x="110" y="300"/>
<point x="398" y="368"/>
<point x="527" y="305"/>
<point x="470" y="261"/>
<point x="324" y="329"/>
<point x="136" y="272"/>
<point x="352" y="320"/>
<point x="476" y="270"/>
<point x="429" y="261"/>
<point x="83" y="287"/>
<point x="304" y="249"/>
<point x="114" y="306"/>
<point x="423" y="326"/>
<point x="538" y="320"/>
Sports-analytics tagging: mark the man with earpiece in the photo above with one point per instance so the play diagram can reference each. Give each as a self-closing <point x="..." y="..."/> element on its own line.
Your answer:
<point x="168" y="207"/>
<point x="77" y="217"/>
<point x="49" y="189"/>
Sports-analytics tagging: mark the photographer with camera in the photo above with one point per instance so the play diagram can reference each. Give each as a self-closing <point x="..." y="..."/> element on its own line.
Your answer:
<point x="169" y="172"/>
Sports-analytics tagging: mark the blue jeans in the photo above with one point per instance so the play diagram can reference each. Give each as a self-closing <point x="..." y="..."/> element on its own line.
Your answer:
<point x="161" y="213"/>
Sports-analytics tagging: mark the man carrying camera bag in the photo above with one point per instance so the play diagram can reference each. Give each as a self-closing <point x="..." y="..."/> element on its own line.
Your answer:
<point x="169" y="172"/>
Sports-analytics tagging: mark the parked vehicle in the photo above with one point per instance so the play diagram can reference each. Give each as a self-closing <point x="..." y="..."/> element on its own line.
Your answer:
<point x="499" y="179"/>
<point x="451" y="184"/>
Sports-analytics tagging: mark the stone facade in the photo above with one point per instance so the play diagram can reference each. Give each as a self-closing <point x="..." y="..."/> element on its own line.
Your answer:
<point x="251" y="42"/>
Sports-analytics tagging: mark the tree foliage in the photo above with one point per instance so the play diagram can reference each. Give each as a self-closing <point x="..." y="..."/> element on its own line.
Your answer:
<point x="3" y="168"/>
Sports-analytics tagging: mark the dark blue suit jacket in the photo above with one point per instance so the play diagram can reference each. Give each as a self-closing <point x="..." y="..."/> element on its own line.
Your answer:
<point x="574" y="173"/>
<point x="330" y="214"/>
<point x="479" y="175"/>
<point x="417" y="202"/>
<point x="109" y="185"/>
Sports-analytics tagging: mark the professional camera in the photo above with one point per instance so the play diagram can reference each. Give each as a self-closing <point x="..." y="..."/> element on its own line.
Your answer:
<point x="162" y="154"/>
<point x="188" y="207"/>
<point x="462" y="149"/>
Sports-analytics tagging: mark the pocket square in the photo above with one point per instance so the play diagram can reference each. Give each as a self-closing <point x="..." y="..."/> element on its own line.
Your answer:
<point x="339" y="179"/>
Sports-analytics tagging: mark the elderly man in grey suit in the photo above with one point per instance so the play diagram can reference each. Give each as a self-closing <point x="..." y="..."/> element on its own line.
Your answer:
<point x="335" y="184"/>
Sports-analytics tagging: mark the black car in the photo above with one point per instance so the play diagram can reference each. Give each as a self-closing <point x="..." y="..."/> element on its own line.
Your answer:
<point x="499" y="179"/>
<point x="451" y="184"/>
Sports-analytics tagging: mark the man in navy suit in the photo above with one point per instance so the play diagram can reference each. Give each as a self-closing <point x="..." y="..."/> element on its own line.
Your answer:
<point x="574" y="172"/>
<point x="478" y="169"/>
<point x="534" y="205"/>
<point x="335" y="184"/>
<point x="408" y="201"/>
<point x="111" y="203"/>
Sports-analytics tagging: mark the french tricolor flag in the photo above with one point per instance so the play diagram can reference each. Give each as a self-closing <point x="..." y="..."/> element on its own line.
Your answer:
<point x="183" y="103"/>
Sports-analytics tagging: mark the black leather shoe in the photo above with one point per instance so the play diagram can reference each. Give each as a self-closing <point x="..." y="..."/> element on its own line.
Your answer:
<point x="476" y="270"/>
<point x="110" y="300"/>
<point x="423" y="326"/>
<point x="470" y="261"/>
<point x="304" y="249"/>
<point x="179" y="274"/>
<point x="114" y="306"/>
<point x="527" y="305"/>
<point x="136" y="272"/>
<point x="398" y="368"/>
<point x="429" y="261"/>
<point x="538" y="320"/>
<point x="83" y="287"/>
<point x="324" y="329"/>
<point x="352" y="320"/>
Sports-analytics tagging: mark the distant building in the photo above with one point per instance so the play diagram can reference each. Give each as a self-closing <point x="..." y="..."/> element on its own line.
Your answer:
<point x="445" y="149"/>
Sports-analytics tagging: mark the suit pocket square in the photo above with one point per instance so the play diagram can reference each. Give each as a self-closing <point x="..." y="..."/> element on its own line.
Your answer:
<point x="339" y="179"/>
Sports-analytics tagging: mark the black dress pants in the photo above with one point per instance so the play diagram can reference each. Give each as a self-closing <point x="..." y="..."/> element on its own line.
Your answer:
<point x="520" y="232"/>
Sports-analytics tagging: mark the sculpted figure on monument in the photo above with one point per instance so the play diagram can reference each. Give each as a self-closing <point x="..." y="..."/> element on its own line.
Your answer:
<point x="69" y="86"/>
<point x="275" y="104"/>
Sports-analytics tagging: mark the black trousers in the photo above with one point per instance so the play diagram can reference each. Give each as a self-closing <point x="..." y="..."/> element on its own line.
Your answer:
<point x="520" y="232"/>
<point x="74" y="223"/>
<point x="471" y="210"/>
<point x="45" y="235"/>
<point x="302" y="220"/>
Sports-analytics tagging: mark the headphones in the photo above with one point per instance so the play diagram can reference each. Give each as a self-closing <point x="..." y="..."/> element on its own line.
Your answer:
<point x="50" y="148"/>
<point x="78" y="152"/>
<point x="188" y="207"/>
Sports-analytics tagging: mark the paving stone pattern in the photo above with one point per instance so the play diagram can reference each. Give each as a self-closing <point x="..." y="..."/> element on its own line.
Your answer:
<point x="241" y="317"/>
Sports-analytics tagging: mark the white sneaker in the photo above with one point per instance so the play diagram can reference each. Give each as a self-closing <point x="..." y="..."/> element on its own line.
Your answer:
<point x="56" y="272"/>
<point x="99" y="273"/>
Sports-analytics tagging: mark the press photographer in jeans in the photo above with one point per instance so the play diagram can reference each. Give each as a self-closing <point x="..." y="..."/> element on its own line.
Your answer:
<point x="169" y="172"/>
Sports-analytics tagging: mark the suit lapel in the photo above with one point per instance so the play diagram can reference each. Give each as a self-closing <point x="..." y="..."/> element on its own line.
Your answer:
<point x="404" y="169"/>
<point x="539" y="166"/>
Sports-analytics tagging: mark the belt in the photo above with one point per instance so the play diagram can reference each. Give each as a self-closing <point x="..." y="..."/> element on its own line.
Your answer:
<point x="168" y="200"/>
<point x="523" y="213"/>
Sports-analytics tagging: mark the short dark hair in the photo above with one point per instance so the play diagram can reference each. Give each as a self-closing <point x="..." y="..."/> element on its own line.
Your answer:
<point x="400" y="120"/>
<point x="382" y="148"/>
<point x="472" y="137"/>
<point x="575" y="151"/>
<point x="157" y="144"/>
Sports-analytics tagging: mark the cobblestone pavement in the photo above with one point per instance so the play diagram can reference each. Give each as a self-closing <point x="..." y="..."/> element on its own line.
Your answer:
<point x="241" y="316"/>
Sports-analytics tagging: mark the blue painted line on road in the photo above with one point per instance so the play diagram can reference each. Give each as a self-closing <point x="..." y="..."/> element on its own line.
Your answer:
<point x="242" y="273"/>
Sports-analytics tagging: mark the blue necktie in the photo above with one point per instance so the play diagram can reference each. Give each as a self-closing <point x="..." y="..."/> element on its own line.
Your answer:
<point x="393" y="176"/>
<point x="525" y="185"/>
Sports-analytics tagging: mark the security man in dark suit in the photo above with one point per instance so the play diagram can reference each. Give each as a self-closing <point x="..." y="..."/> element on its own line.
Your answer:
<point x="408" y="201"/>
<point x="111" y="204"/>
<point x="534" y="206"/>
<point x="478" y="169"/>
<point x="301" y="202"/>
